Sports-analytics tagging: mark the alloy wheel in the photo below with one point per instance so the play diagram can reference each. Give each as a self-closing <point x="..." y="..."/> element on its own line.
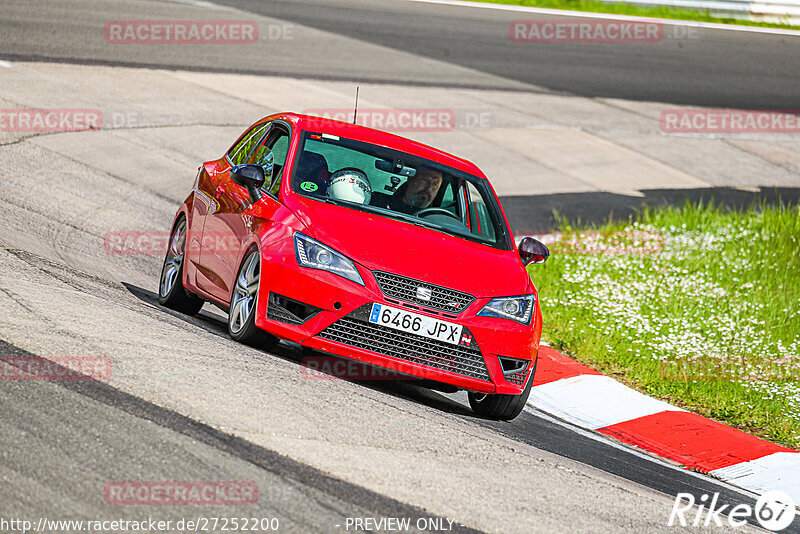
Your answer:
<point x="244" y="293"/>
<point x="174" y="259"/>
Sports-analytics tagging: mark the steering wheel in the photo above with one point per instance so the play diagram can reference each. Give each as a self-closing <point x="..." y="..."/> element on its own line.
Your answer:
<point x="440" y="211"/>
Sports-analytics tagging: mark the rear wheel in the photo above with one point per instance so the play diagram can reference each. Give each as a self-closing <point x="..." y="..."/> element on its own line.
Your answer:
<point x="499" y="406"/>
<point x="171" y="292"/>
<point x="242" y="313"/>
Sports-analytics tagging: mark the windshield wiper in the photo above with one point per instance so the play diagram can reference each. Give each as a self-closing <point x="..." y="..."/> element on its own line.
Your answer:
<point x="330" y="200"/>
<point x="421" y="222"/>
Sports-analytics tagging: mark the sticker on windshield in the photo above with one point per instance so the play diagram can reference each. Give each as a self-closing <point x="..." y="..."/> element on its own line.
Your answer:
<point x="309" y="186"/>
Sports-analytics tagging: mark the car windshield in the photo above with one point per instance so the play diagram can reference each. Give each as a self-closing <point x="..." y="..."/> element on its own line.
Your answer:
<point x="398" y="185"/>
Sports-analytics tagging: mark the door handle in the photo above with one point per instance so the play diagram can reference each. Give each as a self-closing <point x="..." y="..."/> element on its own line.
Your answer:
<point x="220" y="191"/>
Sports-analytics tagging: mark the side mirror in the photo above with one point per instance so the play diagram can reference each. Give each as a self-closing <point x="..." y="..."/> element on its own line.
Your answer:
<point x="251" y="177"/>
<point x="532" y="251"/>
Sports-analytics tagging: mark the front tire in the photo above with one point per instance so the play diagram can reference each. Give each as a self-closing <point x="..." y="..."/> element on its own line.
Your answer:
<point x="500" y="406"/>
<point x="171" y="292"/>
<point x="244" y="300"/>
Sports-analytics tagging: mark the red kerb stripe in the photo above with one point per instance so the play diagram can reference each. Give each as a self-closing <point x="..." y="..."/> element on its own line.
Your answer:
<point x="692" y="440"/>
<point x="554" y="366"/>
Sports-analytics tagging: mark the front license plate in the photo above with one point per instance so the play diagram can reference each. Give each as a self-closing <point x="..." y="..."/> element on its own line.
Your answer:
<point x="415" y="323"/>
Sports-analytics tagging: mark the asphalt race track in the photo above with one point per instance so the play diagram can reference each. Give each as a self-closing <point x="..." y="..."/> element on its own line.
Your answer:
<point x="706" y="67"/>
<point x="186" y="403"/>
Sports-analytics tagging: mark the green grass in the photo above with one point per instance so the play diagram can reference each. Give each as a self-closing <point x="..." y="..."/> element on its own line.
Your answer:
<point x="696" y="305"/>
<point x="642" y="11"/>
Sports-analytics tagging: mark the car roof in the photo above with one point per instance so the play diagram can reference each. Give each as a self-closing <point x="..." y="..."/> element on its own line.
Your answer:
<point x="378" y="137"/>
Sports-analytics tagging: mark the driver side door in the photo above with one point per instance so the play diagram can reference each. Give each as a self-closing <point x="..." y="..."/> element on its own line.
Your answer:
<point x="229" y="227"/>
<point x="219" y="209"/>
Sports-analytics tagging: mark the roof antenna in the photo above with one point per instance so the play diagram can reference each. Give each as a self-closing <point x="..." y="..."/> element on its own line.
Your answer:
<point x="355" y="111"/>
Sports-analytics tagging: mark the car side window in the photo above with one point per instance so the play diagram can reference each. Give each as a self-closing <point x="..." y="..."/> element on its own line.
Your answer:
<point x="479" y="214"/>
<point x="241" y="150"/>
<point x="277" y="142"/>
<point x="448" y="195"/>
<point x="280" y="147"/>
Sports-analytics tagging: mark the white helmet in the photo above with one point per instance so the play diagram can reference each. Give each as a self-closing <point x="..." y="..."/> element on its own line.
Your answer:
<point x="350" y="184"/>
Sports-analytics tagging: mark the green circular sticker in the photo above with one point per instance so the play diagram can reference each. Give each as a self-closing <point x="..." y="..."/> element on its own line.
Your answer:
<point x="309" y="186"/>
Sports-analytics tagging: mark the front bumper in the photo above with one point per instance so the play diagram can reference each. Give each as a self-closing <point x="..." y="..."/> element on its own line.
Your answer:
<point x="340" y="326"/>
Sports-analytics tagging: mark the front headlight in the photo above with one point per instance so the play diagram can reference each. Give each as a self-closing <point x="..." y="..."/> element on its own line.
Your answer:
<point x="518" y="309"/>
<point x="314" y="255"/>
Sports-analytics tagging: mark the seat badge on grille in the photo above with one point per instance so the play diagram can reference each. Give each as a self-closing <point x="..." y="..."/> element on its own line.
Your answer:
<point x="424" y="293"/>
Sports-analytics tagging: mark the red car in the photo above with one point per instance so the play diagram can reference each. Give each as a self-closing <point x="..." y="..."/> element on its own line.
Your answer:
<point x="365" y="245"/>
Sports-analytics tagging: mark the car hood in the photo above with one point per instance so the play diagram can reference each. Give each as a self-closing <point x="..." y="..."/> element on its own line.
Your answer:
<point x="383" y="244"/>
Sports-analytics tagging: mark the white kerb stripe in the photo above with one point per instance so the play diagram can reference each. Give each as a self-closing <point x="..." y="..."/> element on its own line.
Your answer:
<point x="594" y="401"/>
<point x="776" y="471"/>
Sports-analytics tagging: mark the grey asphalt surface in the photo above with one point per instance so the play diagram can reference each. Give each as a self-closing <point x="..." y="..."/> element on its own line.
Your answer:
<point x="110" y="436"/>
<point x="707" y="67"/>
<point x="186" y="403"/>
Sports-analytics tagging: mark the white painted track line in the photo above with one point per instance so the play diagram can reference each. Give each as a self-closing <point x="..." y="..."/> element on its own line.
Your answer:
<point x="611" y="16"/>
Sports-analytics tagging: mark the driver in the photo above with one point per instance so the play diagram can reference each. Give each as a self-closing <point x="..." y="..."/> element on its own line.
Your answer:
<point x="415" y="195"/>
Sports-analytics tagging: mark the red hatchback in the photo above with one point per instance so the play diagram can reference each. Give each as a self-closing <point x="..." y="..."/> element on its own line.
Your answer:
<point x="366" y="245"/>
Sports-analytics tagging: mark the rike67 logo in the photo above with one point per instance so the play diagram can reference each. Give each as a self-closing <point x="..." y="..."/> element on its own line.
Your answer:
<point x="774" y="510"/>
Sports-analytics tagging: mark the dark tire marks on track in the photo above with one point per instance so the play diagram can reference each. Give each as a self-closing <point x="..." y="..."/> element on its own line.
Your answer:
<point x="277" y="464"/>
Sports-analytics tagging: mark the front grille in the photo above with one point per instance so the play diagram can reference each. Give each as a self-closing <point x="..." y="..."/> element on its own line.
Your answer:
<point x="356" y="331"/>
<point x="405" y="289"/>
